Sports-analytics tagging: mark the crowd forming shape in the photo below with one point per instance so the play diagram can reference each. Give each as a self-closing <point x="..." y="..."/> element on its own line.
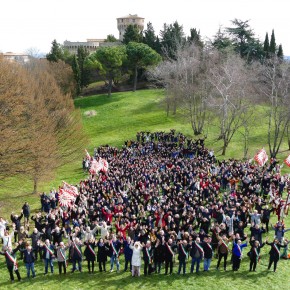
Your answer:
<point x="164" y="196"/>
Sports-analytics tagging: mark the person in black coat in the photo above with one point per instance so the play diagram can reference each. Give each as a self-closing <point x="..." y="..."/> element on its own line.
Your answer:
<point x="102" y="254"/>
<point x="275" y="252"/>
<point x="128" y="252"/>
<point x="183" y="250"/>
<point x="168" y="255"/>
<point x="158" y="256"/>
<point x="147" y="257"/>
<point x="90" y="254"/>
<point x="16" y="219"/>
<point x="208" y="253"/>
<point x="10" y="256"/>
<point x="28" y="259"/>
<point x="254" y="253"/>
<point x="26" y="213"/>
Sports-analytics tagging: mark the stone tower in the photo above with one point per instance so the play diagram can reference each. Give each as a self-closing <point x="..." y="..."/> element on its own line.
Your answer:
<point x="124" y="22"/>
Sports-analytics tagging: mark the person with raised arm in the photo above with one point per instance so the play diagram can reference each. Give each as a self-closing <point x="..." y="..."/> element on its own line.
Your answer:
<point x="238" y="253"/>
<point x="11" y="261"/>
<point x="136" y="258"/>
<point x="275" y="252"/>
<point x="254" y="253"/>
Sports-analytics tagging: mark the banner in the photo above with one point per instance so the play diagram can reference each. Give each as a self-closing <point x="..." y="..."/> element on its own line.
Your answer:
<point x="67" y="195"/>
<point x="287" y="161"/>
<point x="261" y="157"/>
<point x="97" y="166"/>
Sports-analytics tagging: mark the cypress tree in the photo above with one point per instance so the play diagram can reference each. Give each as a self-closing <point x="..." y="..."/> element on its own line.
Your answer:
<point x="266" y="45"/>
<point x="280" y="52"/>
<point x="272" y="47"/>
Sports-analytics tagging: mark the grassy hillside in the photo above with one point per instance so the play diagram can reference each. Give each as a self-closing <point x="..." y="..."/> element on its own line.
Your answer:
<point x="118" y="118"/>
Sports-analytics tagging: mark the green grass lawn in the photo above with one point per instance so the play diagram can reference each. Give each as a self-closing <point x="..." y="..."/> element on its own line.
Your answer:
<point x="118" y="118"/>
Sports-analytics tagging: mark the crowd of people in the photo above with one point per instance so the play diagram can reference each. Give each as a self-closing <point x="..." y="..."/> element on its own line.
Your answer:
<point x="165" y="199"/>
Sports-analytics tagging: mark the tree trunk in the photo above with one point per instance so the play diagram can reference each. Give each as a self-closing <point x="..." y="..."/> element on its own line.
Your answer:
<point x="35" y="185"/>
<point x="135" y="78"/>
<point x="225" y="145"/>
<point x="110" y="87"/>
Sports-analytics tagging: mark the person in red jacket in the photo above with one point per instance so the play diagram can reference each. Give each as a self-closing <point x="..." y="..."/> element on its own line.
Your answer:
<point x="108" y="216"/>
<point x="122" y="229"/>
<point x="161" y="219"/>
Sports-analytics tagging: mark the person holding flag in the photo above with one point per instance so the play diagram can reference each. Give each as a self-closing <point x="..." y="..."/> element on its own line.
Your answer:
<point x="238" y="254"/>
<point x="183" y="249"/>
<point x="275" y="252"/>
<point x="197" y="254"/>
<point x="11" y="262"/>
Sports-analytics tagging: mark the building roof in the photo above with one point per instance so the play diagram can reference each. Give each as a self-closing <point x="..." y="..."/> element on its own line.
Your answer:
<point x="135" y="16"/>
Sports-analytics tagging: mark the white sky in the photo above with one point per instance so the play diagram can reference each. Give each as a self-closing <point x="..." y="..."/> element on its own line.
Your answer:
<point x="28" y="24"/>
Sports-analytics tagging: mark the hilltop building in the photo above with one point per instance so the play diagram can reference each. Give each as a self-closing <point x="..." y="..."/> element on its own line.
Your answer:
<point x="124" y="22"/>
<point x="92" y="44"/>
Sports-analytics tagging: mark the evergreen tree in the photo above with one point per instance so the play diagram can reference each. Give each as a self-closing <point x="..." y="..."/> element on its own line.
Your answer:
<point x="221" y="41"/>
<point x="77" y="74"/>
<point x="82" y="54"/>
<point x="149" y="36"/>
<point x="111" y="38"/>
<point x="272" y="47"/>
<point x="241" y="35"/>
<point x="280" y="53"/>
<point x="195" y="37"/>
<point x="56" y="52"/>
<point x="132" y="33"/>
<point x="172" y="38"/>
<point x="266" y="45"/>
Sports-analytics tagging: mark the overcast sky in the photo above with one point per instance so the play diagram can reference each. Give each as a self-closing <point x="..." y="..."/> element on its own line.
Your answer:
<point x="35" y="23"/>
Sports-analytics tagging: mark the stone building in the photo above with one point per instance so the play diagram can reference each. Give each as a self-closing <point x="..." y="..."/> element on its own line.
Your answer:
<point x="92" y="44"/>
<point x="124" y="22"/>
<point x="16" y="57"/>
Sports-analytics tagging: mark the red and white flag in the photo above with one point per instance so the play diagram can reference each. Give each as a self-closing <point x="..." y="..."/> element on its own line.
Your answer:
<point x="97" y="166"/>
<point x="287" y="161"/>
<point x="67" y="195"/>
<point x="104" y="164"/>
<point x="261" y="157"/>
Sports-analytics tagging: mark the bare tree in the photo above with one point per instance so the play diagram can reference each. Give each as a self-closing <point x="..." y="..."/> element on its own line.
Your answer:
<point x="275" y="87"/>
<point x="230" y="96"/>
<point x="186" y="85"/>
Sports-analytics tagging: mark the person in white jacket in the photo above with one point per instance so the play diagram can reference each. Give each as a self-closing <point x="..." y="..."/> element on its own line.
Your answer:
<point x="88" y="233"/>
<point x="3" y="225"/>
<point x="104" y="230"/>
<point x="136" y="258"/>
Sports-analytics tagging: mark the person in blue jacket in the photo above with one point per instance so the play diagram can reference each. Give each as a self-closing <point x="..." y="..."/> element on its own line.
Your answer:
<point x="238" y="254"/>
<point x="128" y="252"/>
